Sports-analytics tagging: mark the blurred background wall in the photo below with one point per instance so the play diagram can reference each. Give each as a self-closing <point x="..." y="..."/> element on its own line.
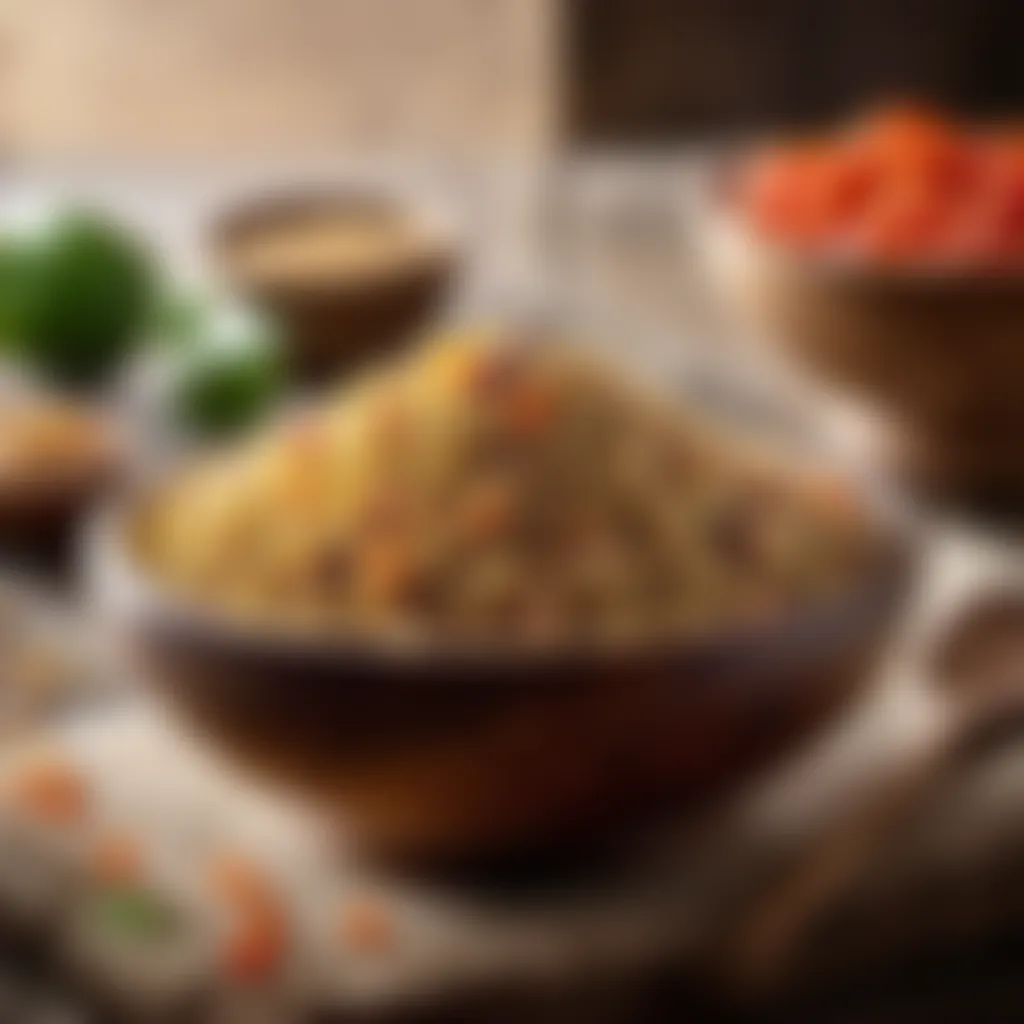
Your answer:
<point x="230" y="77"/>
<point x="226" y="77"/>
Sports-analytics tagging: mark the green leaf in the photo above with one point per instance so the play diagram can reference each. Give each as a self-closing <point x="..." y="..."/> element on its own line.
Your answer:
<point x="134" y="914"/>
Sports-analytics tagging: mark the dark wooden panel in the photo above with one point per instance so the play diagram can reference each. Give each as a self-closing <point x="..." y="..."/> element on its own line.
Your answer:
<point x="657" y="69"/>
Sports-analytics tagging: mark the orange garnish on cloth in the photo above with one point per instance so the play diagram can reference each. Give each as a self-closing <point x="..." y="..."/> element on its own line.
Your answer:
<point x="52" y="792"/>
<point x="366" y="926"/>
<point x="241" y="883"/>
<point x="117" y="860"/>
<point x="258" y="932"/>
<point x="256" y="945"/>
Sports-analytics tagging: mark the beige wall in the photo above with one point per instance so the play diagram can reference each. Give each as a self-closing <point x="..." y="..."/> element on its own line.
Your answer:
<point x="225" y="77"/>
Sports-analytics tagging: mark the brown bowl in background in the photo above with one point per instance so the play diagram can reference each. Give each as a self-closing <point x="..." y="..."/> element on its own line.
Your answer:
<point x="337" y="314"/>
<point x="935" y="354"/>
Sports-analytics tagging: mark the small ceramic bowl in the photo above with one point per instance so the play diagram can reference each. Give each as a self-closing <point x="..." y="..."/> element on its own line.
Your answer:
<point x="447" y="755"/>
<point x="336" y="317"/>
<point x="933" y="353"/>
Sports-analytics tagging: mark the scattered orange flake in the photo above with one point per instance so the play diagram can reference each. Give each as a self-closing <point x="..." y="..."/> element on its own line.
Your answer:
<point x="242" y="884"/>
<point x="52" y="791"/>
<point x="258" y="927"/>
<point x="530" y="412"/>
<point x="367" y="926"/>
<point x="256" y="946"/>
<point x="117" y="859"/>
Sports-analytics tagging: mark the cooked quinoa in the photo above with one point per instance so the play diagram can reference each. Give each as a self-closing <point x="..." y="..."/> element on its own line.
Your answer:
<point x="496" y="489"/>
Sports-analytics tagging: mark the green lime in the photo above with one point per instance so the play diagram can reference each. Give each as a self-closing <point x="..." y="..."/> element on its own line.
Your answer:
<point x="230" y="373"/>
<point x="76" y="295"/>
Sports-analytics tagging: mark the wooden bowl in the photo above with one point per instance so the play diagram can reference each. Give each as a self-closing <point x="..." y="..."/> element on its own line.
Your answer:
<point x="449" y="755"/>
<point x="934" y="354"/>
<point x="333" y="321"/>
<point x="41" y="509"/>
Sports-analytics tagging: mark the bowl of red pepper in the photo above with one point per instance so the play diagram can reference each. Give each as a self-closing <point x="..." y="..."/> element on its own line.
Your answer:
<point x="886" y="257"/>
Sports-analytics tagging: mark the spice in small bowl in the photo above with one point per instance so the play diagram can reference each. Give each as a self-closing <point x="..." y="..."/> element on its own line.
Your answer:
<point x="347" y="272"/>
